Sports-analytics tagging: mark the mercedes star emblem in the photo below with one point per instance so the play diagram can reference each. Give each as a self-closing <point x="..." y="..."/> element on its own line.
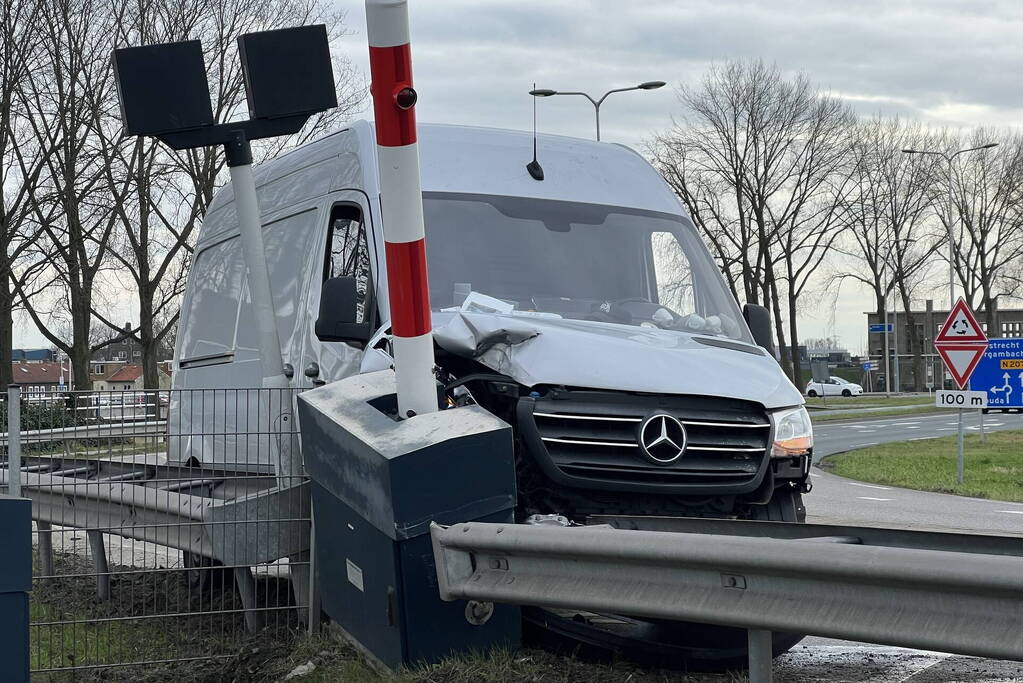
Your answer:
<point x="662" y="438"/>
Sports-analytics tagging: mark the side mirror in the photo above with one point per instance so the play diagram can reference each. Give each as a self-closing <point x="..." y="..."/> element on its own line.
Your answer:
<point x="339" y="312"/>
<point x="758" y="319"/>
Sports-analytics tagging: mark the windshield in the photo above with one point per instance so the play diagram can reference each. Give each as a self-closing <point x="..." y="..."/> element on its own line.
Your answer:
<point x="581" y="261"/>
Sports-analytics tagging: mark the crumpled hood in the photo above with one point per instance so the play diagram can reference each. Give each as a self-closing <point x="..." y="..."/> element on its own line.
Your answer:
<point x="539" y="350"/>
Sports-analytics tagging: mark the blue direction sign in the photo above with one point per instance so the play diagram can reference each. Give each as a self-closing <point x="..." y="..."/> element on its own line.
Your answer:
<point x="881" y="327"/>
<point x="869" y="365"/>
<point x="1000" y="373"/>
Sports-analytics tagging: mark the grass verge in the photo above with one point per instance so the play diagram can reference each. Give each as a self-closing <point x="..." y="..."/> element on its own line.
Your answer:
<point x="334" y="659"/>
<point x="877" y="415"/>
<point x="869" y="401"/>
<point x="993" y="469"/>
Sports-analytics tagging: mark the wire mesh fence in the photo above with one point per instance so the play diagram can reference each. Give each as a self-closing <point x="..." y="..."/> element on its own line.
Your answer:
<point x="169" y="527"/>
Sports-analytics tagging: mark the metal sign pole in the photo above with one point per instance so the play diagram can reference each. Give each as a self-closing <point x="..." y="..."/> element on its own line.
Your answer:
<point x="250" y="228"/>
<point x="959" y="459"/>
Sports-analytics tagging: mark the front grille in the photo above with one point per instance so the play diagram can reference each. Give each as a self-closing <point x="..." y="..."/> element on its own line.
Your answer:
<point x="590" y="438"/>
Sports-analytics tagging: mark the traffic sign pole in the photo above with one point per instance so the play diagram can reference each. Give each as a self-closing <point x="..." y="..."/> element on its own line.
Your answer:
<point x="961" y="343"/>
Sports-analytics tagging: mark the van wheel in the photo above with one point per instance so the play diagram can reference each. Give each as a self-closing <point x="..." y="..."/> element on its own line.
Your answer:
<point x="786" y="505"/>
<point x="812" y="393"/>
<point x="846" y="393"/>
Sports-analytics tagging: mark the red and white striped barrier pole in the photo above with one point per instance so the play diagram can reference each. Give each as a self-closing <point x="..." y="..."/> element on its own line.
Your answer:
<point x="394" y="99"/>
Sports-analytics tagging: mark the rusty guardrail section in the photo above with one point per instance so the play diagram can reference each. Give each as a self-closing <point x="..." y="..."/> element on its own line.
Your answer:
<point x="941" y="593"/>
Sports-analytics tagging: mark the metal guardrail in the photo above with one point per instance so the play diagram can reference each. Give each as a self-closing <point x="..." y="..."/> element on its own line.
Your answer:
<point x="91" y="431"/>
<point x="826" y="583"/>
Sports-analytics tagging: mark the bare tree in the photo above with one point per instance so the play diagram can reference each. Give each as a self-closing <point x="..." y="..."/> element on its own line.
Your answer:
<point x="22" y="160"/>
<point x="170" y="191"/>
<point x="756" y="159"/>
<point x="892" y="239"/>
<point x="73" y="205"/>
<point x="987" y="215"/>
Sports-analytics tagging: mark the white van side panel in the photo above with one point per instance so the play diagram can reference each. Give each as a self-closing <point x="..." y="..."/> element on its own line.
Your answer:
<point x="218" y="318"/>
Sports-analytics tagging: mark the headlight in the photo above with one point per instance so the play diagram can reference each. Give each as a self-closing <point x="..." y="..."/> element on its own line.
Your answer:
<point x="793" y="433"/>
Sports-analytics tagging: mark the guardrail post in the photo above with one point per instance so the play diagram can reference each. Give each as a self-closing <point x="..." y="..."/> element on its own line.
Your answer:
<point x="760" y="656"/>
<point x="45" y="530"/>
<point x="14" y="441"/>
<point x="99" y="562"/>
<point x="247" y="591"/>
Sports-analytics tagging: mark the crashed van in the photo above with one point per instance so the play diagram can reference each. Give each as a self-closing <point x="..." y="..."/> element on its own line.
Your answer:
<point x="583" y="309"/>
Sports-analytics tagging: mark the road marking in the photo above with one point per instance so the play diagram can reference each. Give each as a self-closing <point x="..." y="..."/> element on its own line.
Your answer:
<point x="904" y="424"/>
<point x="882" y="500"/>
<point x="921" y="438"/>
<point x="1012" y="512"/>
<point x="945" y="429"/>
<point x="864" y="445"/>
<point x="814" y="474"/>
<point x="912" y="428"/>
<point x="870" y="486"/>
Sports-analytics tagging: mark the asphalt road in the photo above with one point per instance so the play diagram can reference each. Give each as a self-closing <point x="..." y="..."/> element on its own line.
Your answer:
<point x="836" y="500"/>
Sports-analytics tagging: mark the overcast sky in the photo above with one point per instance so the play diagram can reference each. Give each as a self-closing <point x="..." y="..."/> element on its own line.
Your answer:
<point x="946" y="62"/>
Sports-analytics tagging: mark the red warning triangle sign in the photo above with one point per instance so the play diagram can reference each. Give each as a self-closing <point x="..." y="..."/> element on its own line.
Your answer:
<point x="961" y="326"/>
<point x="961" y="359"/>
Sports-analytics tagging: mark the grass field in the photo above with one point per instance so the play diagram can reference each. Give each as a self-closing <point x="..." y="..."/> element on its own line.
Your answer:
<point x="992" y="470"/>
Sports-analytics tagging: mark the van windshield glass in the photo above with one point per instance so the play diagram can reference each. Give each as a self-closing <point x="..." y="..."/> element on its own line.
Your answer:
<point x="581" y="261"/>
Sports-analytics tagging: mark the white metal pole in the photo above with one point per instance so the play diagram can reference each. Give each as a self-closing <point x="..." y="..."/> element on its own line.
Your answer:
<point x="401" y="200"/>
<point x="277" y="398"/>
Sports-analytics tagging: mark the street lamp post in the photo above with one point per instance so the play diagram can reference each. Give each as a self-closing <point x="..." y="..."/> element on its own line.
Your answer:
<point x="951" y="191"/>
<point x="546" y="92"/>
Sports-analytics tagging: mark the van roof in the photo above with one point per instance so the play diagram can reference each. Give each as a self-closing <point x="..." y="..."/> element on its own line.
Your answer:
<point x="464" y="159"/>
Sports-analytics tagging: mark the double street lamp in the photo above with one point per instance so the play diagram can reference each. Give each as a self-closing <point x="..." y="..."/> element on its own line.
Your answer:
<point x="951" y="192"/>
<point x="545" y="92"/>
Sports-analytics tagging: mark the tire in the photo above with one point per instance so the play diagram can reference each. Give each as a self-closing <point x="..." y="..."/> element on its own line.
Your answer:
<point x="846" y="393"/>
<point x="812" y="393"/>
<point x="786" y="505"/>
<point x="659" y="642"/>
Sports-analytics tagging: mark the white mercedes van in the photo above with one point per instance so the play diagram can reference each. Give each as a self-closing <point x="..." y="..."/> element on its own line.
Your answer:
<point x="583" y="309"/>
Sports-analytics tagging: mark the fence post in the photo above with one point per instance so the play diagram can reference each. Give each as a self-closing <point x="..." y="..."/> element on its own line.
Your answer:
<point x="760" y="655"/>
<point x="14" y="440"/>
<point x="314" y="580"/>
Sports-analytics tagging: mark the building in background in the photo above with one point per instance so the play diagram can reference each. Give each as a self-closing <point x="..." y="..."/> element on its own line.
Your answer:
<point x="128" y="378"/>
<point x="927" y="322"/>
<point x="39" y="377"/>
<point x="33" y="355"/>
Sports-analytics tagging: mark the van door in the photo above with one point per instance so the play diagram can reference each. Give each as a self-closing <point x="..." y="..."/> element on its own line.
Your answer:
<point x="347" y="248"/>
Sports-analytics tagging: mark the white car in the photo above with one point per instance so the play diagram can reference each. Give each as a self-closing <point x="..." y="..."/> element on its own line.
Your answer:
<point x="835" y="386"/>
